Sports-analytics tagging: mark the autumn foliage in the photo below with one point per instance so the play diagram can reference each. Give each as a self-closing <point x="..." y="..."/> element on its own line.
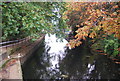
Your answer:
<point x="93" y="20"/>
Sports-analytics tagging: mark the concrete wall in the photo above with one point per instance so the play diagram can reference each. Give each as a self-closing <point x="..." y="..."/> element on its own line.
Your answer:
<point x="31" y="50"/>
<point x="14" y="71"/>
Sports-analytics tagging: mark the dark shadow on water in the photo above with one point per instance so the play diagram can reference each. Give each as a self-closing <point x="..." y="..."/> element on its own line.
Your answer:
<point x="77" y="63"/>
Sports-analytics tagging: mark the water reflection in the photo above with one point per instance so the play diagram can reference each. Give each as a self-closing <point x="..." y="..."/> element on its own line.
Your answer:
<point x="54" y="61"/>
<point x="80" y="64"/>
<point x="55" y="49"/>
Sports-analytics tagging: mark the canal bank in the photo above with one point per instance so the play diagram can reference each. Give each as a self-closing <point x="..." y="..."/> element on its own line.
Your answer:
<point x="53" y="60"/>
<point x="12" y="68"/>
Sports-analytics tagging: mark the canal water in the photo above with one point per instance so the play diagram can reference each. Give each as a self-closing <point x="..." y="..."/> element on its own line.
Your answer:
<point x="53" y="60"/>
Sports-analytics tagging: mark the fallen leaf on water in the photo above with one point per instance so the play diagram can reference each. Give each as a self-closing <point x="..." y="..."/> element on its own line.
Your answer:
<point x="64" y="76"/>
<point x="117" y="62"/>
<point x="102" y="53"/>
<point x="114" y="59"/>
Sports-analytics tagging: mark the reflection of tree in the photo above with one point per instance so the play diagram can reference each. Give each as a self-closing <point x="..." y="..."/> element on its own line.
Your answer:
<point x="105" y="69"/>
<point x="79" y="63"/>
<point x="73" y="64"/>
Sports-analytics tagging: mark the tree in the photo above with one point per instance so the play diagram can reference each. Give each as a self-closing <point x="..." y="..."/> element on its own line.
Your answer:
<point x="96" y="21"/>
<point x="22" y="19"/>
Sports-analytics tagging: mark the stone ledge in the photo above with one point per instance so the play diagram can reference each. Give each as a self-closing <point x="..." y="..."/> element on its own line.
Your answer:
<point x="14" y="71"/>
<point x="32" y="48"/>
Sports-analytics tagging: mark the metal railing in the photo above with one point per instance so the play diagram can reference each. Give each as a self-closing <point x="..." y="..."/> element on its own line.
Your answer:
<point x="14" y="42"/>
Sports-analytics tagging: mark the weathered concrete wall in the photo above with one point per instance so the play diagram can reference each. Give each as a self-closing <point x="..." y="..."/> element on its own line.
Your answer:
<point x="30" y="50"/>
<point x="14" y="71"/>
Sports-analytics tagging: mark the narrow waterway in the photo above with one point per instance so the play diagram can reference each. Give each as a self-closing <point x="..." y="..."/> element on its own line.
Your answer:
<point x="53" y="60"/>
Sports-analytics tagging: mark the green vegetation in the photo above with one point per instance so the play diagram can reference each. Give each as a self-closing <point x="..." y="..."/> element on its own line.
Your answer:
<point x="95" y="23"/>
<point x="6" y="62"/>
<point x="111" y="46"/>
<point x="22" y="19"/>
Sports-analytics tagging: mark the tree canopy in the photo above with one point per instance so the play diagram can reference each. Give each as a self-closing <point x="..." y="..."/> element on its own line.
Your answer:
<point x="22" y="19"/>
<point x="96" y="21"/>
